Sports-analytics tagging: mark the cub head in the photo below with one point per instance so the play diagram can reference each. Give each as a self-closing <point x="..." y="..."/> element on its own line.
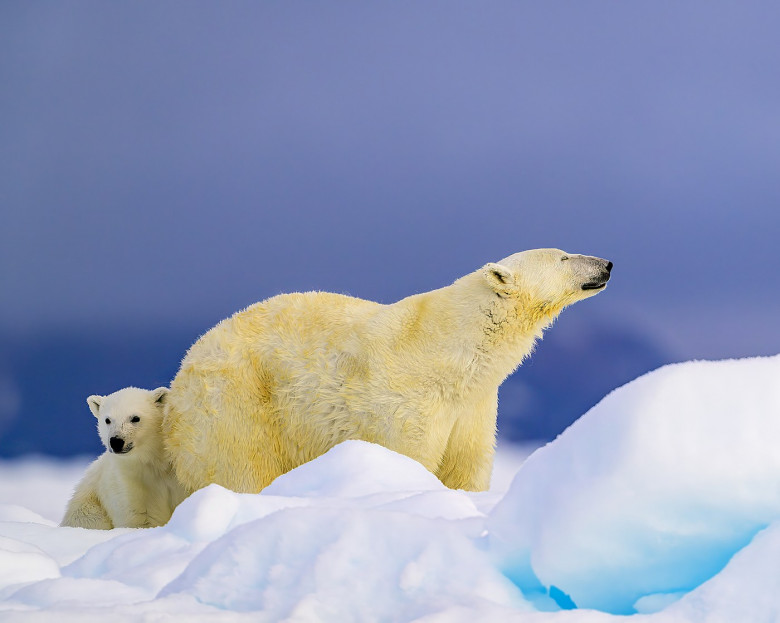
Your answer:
<point x="549" y="278"/>
<point x="129" y="418"/>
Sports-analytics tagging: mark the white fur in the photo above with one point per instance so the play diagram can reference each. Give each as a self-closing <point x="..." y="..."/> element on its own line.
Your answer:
<point x="134" y="489"/>
<point x="283" y="381"/>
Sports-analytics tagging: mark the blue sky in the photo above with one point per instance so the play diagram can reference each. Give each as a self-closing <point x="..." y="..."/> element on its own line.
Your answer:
<point x="170" y="163"/>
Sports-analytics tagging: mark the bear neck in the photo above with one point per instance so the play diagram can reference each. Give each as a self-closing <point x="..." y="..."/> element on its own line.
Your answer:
<point x="482" y="335"/>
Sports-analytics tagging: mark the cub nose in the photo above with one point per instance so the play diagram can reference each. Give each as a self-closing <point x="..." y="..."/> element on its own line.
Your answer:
<point x="116" y="443"/>
<point x="609" y="266"/>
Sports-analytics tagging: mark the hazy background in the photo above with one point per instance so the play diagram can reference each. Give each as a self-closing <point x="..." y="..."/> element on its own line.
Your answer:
<point x="164" y="164"/>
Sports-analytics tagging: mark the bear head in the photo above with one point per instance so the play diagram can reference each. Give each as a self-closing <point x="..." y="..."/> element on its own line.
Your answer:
<point x="548" y="278"/>
<point x="129" y="419"/>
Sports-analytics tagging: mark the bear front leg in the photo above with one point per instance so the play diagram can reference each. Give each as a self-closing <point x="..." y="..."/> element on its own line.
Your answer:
<point x="135" y="518"/>
<point x="468" y="460"/>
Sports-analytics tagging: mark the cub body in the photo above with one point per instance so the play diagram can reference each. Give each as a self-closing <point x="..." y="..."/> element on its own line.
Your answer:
<point x="131" y="485"/>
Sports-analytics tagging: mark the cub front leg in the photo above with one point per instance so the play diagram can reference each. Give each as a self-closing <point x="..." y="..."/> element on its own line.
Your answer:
<point x="87" y="512"/>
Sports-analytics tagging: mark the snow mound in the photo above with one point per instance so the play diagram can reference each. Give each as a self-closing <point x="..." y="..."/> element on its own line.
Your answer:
<point x="15" y="513"/>
<point x="355" y="469"/>
<point x="358" y="474"/>
<point x="211" y="512"/>
<point x="322" y="564"/>
<point x="361" y="533"/>
<point x="24" y="562"/>
<point x="650" y="493"/>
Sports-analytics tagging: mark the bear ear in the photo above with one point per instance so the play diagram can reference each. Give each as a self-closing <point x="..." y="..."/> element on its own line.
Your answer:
<point x="94" y="403"/>
<point x="159" y="395"/>
<point x="499" y="277"/>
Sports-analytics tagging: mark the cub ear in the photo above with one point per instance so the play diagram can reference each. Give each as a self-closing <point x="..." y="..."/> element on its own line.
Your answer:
<point x="159" y="395"/>
<point x="94" y="403"/>
<point x="499" y="278"/>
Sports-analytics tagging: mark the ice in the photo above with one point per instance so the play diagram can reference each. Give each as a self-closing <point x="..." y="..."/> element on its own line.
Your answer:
<point x="651" y="492"/>
<point x="748" y="584"/>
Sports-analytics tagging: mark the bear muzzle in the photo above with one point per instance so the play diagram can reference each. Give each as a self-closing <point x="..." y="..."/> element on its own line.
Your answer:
<point x="603" y="269"/>
<point x="118" y="445"/>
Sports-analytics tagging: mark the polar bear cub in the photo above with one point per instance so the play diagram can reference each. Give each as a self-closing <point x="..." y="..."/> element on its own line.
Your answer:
<point x="131" y="484"/>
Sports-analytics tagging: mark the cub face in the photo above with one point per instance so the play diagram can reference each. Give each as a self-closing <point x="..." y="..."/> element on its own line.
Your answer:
<point x="550" y="277"/>
<point x="127" y="418"/>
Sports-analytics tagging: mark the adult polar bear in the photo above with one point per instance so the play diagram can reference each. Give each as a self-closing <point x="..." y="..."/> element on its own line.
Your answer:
<point x="286" y="379"/>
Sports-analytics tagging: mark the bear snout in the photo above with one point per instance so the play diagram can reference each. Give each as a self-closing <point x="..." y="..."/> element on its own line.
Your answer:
<point x="117" y="444"/>
<point x="599" y="280"/>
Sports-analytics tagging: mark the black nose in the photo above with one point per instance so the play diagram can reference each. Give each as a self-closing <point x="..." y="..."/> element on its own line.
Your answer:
<point x="116" y="443"/>
<point x="609" y="266"/>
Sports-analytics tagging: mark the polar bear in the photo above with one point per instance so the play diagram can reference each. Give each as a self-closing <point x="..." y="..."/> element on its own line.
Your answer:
<point x="286" y="379"/>
<point x="131" y="485"/>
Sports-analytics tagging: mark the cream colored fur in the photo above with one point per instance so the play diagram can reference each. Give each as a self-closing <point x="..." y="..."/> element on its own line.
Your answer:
<point x="285" y="380"/>
<point x="136" y="489"/>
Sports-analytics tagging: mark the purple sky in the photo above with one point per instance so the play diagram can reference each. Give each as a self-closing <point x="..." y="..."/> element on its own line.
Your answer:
<point x="174" y="162"/>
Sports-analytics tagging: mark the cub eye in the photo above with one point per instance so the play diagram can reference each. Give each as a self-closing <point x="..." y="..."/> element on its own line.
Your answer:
<point x="564" y="258"/>
<point x="135" y="419"/>
<point x="108" y="421"/>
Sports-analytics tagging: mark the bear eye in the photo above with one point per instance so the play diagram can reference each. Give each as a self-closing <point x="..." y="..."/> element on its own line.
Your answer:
<point x="135" y="419"/>
<point x="564" y="258"/>
<point x="108" y="421"/>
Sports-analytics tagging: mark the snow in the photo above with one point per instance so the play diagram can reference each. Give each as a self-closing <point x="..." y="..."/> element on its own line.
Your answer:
<point x="651" y="492"/>
<point x="662" y="502"/>
<point x="40" y="484"/>
<point x="360" y="534"/>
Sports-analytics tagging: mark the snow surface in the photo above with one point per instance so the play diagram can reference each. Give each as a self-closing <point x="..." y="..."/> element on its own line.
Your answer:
<point x="651" y="492"/>
<point x="664" y="499"/>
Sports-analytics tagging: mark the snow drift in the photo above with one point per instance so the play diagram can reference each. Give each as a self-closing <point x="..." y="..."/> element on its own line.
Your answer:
<point x="663" y="498"/>
<point x="651" y="492"/>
